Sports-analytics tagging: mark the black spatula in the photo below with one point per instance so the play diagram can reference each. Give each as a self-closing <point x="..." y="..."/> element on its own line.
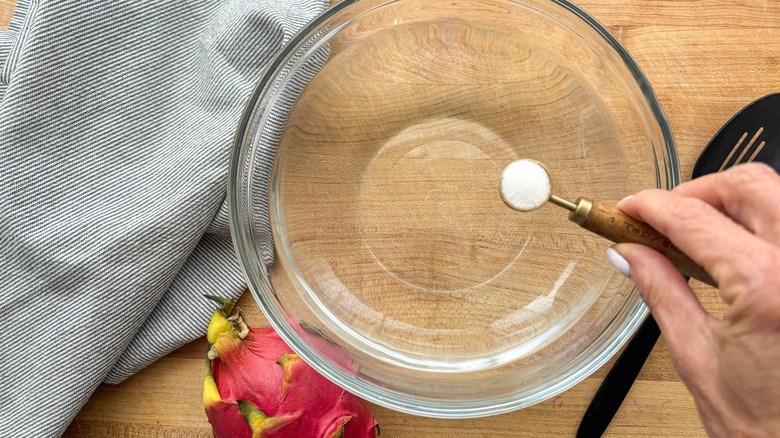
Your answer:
<point x="751" y="135"/>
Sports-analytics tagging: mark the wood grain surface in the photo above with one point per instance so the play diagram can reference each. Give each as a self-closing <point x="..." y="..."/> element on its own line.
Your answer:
<point x="705" y="59"/>
<point x="6" y="12"/>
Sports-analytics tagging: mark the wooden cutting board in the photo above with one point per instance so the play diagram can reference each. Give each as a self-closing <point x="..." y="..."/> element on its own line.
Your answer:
<point x="706" y="59"/>
<point x="6" y="12"/>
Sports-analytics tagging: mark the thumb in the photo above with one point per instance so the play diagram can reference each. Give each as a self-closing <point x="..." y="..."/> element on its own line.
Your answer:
<point x="685" y="324"/>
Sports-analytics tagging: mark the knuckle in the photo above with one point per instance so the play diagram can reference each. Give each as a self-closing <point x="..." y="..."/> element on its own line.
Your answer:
<point x="758" y="271"/>
<point x="751" y="174"/>
<point x="770" y="229"/>
<point x="688" y="212"/>
<point x="762" y="170"/>
<point x="750" y="192"/>
<point x="766" y="264"/>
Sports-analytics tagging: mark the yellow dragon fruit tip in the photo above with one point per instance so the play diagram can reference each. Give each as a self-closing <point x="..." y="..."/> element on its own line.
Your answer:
<point x="340" y="432"/>
<point x="218" y="326"/>
<point x="211" y="394"/>
<point x="286" y="361"/>
<point x="258" y="421"/>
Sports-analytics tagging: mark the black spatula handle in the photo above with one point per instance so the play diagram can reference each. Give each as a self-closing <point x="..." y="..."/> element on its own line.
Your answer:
<point x="619" y="380"/>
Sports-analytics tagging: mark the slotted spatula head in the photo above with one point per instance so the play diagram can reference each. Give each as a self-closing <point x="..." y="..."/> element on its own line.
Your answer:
<point x="753" y="134"/>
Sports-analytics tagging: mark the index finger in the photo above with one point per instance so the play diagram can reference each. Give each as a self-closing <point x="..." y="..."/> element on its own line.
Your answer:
<point x="726" y="250"/>
<point x="747" y="193"/>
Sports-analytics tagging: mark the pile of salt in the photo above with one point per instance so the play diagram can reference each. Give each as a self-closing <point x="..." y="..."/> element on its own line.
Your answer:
<point x="525" y="185"/>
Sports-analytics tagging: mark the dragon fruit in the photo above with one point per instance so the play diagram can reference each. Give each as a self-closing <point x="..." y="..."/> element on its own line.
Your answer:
<point x="256" y="387"/>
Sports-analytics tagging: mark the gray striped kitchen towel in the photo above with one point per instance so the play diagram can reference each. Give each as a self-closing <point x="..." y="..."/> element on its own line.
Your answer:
<point x="116" y="120"/>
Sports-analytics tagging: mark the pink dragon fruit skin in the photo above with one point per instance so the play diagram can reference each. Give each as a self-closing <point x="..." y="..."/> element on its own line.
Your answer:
<point x="225" y="417"/>
<point x="255" y="386"/>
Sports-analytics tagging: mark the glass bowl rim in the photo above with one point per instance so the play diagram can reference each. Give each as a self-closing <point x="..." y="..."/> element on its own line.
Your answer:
<point x="262" y="291"/>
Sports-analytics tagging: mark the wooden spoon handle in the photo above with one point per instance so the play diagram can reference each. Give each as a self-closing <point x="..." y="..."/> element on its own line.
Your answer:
<point x="611" y="223"/>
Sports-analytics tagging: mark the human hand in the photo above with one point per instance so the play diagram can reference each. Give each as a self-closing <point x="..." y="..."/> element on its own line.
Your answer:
<point x="729" y="223"/>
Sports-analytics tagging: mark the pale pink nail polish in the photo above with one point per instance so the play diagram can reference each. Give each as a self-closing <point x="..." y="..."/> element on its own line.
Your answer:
<point x="618" y="262"/>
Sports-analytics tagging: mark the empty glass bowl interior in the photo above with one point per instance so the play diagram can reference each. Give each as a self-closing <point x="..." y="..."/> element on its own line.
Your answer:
<point x="365" y="204"/>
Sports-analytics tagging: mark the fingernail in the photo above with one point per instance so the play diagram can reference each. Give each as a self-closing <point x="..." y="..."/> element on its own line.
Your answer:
<point x="625" y="199"/>
<point x="618" y="262"/>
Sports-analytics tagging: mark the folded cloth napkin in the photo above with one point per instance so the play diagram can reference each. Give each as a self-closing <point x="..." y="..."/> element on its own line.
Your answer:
<point x="116" y="121"/>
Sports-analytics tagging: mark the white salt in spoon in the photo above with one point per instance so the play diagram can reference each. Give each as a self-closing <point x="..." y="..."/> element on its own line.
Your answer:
<point x="526" y="186"/>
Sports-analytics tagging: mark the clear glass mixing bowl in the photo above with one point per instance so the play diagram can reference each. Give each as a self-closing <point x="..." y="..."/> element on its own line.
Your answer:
<point x="365" y="207"/>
